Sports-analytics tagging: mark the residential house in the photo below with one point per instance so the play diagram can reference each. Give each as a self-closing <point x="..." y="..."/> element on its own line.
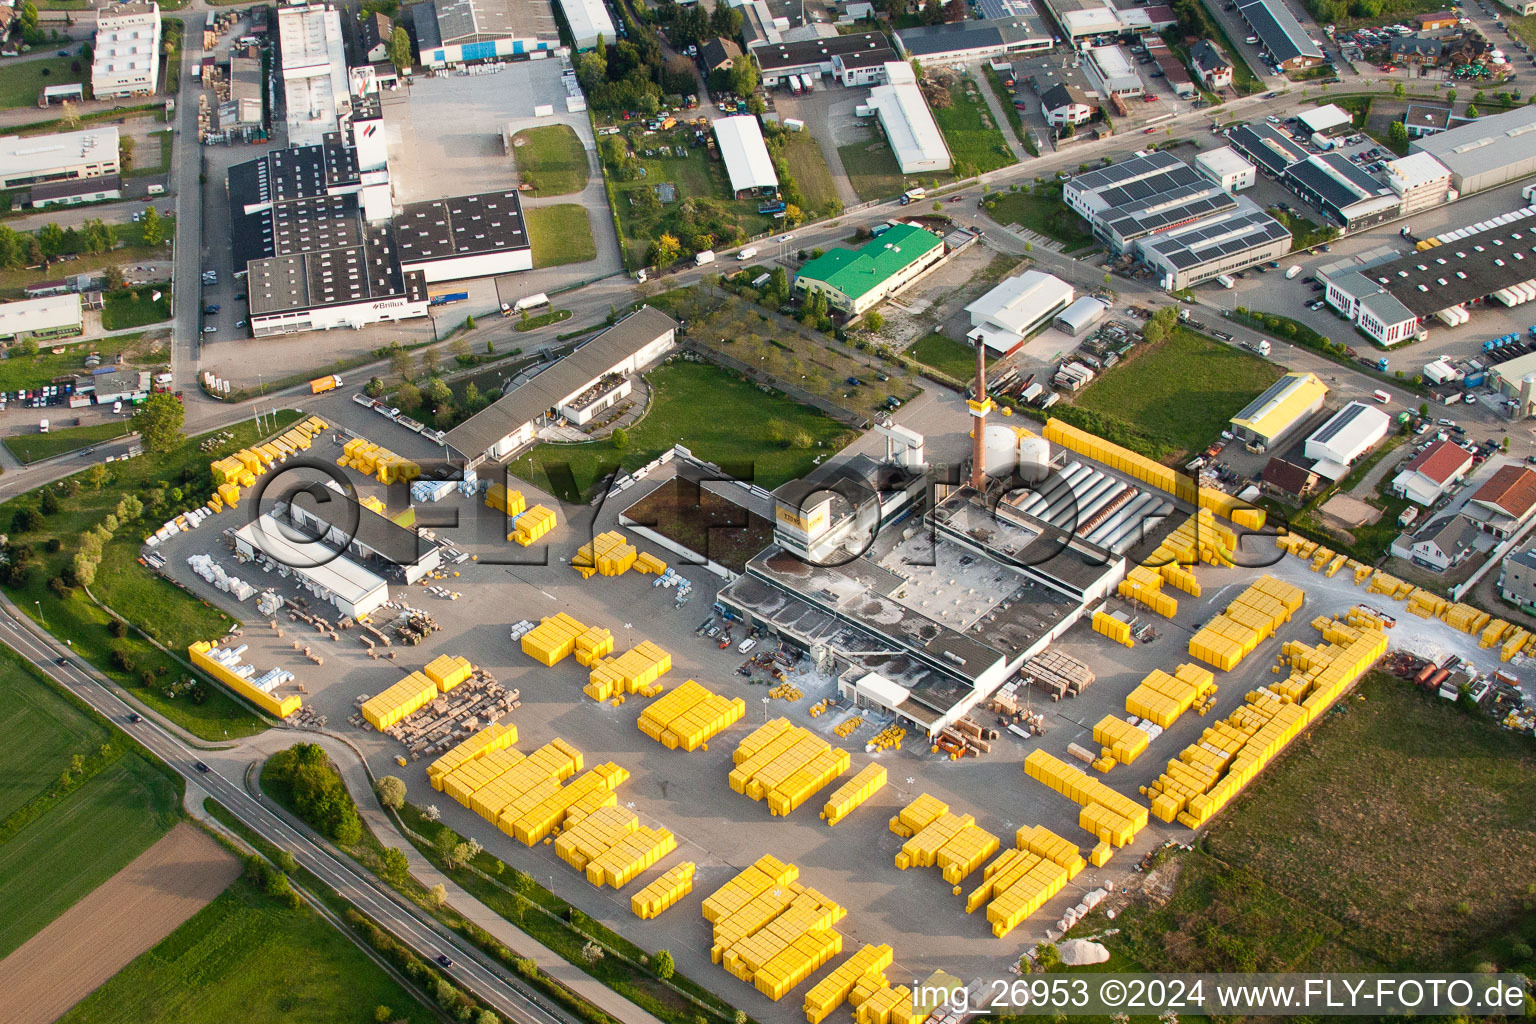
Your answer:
<point x="375" y="33"/>
<point x="1441" y="545"/>
<point x="1415" y="50"/>
<point x="1064" y="104"/>
<point x="1505" y="502"/>
<point x="1517" y="579"/>
<point x="1209" y="65"/>
<point x="1288" y="479"/>
<point x="718" y="54"/>
<point x="1429" y="474"/>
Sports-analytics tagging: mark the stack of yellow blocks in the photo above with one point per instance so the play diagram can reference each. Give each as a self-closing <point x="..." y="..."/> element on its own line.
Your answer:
<point x="1145" y="587"/>
<point x="832" y="991"/>
<point x="786" y="764"/>
<point x="910" y="819"/>
<point x="1248" y="621"/>
<point x="511" y="503"/>
<point x="890" y="736"/>
<point x="1467" y="619"/>
<point x="1153" y="473"/>
<point x="488" y="782"/>
<point x="531" y="525"/>
<point x="770" y="930"/>
<point x="1161" y="698"/>
<point x="648" y="563"/>
<point x="848" y="797"/>
<point x="1117" y="630"/>
<point x="1513" y="643"/>
<point x="611" y="846"/>
<point x="405" y="698"/>
<point x="491" y="738"/>
<point x="380" y="463"/>
<point x="448" y="671"/>
<point x="1386" y="583"/>
<point x="547" y="805"/>
<point x="1492" y="633"/>
<point x="637" y="670"/>
<point x="662" y="893"/>
<point x="1210" y="772"/>
<point x="690" y="716"/>
<point x="1427" y="604"/>
<point x="608" y="554"/>
<point x="887" y="1005"/>
<point x="1022" y="880"/>
<point x="1123" y="742"/>
<point x="552" y="639"/>
<point x="949" y="841"/>
<point x="1198" y="539"/>
<point x="593" y="645"/>
<point x="282" y="707"/>
<point x="1113" y="818"/>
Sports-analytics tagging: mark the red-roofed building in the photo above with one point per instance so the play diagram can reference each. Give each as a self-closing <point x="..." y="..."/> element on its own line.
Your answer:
<point x="1429" y="474"/>
<point x="1506" y="502"/>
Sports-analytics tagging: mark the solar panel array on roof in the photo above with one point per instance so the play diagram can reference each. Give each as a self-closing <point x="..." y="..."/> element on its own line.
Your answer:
<point x="1141" y="190"/>
<point x="1227" y="237"/>
<point x="1200" y="203"/>
<point x="1341" y="419"/>
<point x="1335" y="181"/>
<point x="1104" y="177"/>
<point x="1264" y="145"/>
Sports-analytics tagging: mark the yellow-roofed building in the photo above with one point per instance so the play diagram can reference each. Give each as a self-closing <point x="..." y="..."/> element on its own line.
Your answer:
<point x="1282" y="407"/>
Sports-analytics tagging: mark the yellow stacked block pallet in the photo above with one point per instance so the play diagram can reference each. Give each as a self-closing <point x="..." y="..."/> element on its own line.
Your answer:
<point x="1145" y="587"/>
<point x="552" y="639"/>
<point x="1209" y="773"/>
<point x="532" y="524"/>
<point x="1117" y="630"/>
<point x="784" y="764"/>
<point x="1022" y="880"/>
<point x="649" y="564"/>
<point x="511" y="503"/>
<point x="1492" y="633"/>
<point x="1248" y="621"/>
<point x="448" y="671"/>
<point x="1513" y="643"/>
<point x="690" y="716"/>
<point x="1467" y="619"/>
<point x="491" y="781"/>
<point x="541" y="810"/>
<point x="1120" y="739"/>
<point x="771" y="931"/>
<point x="637" y="670"/>
<point x="611" y="847"/>
<point x="832" y="991"/>
<point x="664" y="892"/>
<point x="848" y="797"/>
<point x="380" y="463"/>
<point x="593" y="645"/>
<point x="405" y="698"/>
<point x="952" y="843"/>
<point x="1110" y="808"/>
<point x="608" y="554"/>
<point x="492" y="738"/>
<point x="1161" y="698"/>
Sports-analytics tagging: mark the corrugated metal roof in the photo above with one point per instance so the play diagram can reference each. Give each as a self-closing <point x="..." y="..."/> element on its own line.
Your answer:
<point x="855" y="272"/>
<point x="1282" y="404"/>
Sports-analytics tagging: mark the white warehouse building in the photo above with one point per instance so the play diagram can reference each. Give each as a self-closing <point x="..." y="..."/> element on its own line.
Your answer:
<point x="1016" y="308"/>
<point x="1226" y="168"/>
<point x="588" y="20"/>
<point x="64" y="157"/>
<point x="1348" y="434"/>
<point x="352" y="589"/>
<point x="126" y="57"/>
<point x="747" y="162"/>
<point x="909" y="125"/>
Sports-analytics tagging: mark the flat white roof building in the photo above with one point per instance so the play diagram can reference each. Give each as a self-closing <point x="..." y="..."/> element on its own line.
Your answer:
<point x="909" y="125"/>
<point x="126" y="59"/>
<point x="314" y="61"/>
<point x="351" y="588"/>
<point x="1325" y="118"/>
<point x="1111" y="71"/>
<point x="1227" y="168"/>
<point x="42" y="158"/>
<point x="588" y="19"/>
<point x="746" y="156"/>
<point x="1348" y="434"/>
<point x="1015" y="308"/>
<point x="52" y="317"/>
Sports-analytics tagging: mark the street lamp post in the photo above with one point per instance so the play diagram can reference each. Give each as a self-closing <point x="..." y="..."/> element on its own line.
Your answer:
<point x="40" y="613"/>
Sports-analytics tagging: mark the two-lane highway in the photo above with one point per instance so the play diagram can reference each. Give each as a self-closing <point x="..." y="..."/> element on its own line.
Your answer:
<point x="472" y="970"/>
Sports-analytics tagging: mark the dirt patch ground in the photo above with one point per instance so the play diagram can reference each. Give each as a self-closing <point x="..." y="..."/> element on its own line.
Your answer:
<point x="1351" y="512"/>
<point x="105" y="931"/>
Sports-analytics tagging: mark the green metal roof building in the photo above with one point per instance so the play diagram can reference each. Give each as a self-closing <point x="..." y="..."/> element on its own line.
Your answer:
<point x="856" y="279"/>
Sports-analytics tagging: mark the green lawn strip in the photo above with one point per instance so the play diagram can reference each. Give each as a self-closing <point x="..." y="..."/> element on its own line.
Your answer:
<point x="82" y="841"/>
<point x="23" y="81"/>
<point x="136" y="307"/>
<point x="975" y="143"/>
<point x="1041" y="210"/>
<point x="31" y="447"/>
<point x="945" y="355"/>
<point x="872" y="170"/>
<point x="1005" y="100"/>
<point x="163" y="157"/>
<point x="23" y="372"/>
<point x="247" y="956"/>
<point x="551" y="159"/>
<point x="151" y="603"/>
<point x="685" y="410"/>
<point x="559" y="235"/>
<point x="42" y="732"/>
<point x="1181" y="392"/>
<point x="810" y="172"/>
<point x="533" y="323"/>
<point x="564" y="929"/>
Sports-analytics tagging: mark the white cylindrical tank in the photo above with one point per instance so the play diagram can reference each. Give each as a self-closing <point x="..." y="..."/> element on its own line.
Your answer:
<point x="1034" y="455"/>
<point x="1001" y="444"/>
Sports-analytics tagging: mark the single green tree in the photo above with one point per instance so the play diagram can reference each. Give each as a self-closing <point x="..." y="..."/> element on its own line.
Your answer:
<point x="159" y="422"/>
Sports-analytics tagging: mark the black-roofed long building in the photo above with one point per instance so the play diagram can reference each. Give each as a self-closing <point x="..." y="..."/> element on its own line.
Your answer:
<point x="1271" y="150"/>
<point x="815" y="57"/>
<point x="1343" y="191"/>
<point x="1281" y="34"/>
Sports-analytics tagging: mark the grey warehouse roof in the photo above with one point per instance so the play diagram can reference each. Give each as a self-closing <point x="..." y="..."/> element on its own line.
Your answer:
<point x="1462" y="270"/>
<point x="537" y="396"/>
<point x="1217" y="239"/>
<point x="779" y="56"/>
<point x="971" y="35"/>
<point x="1264" y="145"/>
<point x="1278" y="29"/>
<point x="1487" y="143"/>
<point x="1345" y="186"/>
<point x="482" y="21"/>
<point x="440" y="229"/>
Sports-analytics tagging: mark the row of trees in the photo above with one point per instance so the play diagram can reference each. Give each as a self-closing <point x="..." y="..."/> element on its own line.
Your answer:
<point x="691" y="25"/>
<point x="22" y="249"/>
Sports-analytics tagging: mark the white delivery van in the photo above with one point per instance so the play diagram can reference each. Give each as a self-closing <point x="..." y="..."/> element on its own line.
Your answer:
<point x="42" y="428"/>
<point x="1381" y="396"/>
<point x="707" y="256"/>
<point x="1289" y="274"/>
<point x="156" y="190"/>
<point x="746" y="254"/>
<point x="1225" y="281"/>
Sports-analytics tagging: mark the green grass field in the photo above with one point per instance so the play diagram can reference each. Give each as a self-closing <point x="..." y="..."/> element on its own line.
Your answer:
<point x="21" y="371"/>
<point x="551" y="159"/>
<point x="1365" y="848"/>
<point x="1041" y="210"/>
<point x="79" y="843"/>
<point x="560" y="235"/>
<point x="162" y="609"/>
<point x="685" y="410"/>
<point x="945" y="355"/>
<point x="871" y="169"/>
<point x="136" y="307"/>
<point x="809" y="168"/>
<point x="247" y="957"/>
<point x="22" y="82"/>
<point x="42" y="732"/>
<point x="32" y="446"/>
<point x="975" y="143"/>
<point x="1182" y="391"/>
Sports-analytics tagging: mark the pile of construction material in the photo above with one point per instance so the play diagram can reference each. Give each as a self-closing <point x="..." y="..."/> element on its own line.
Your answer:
<point x="1161" y="698"/>
<point x="771" y="931"/>
<point x="638" y="671"/>
<point x="965" y="736"/>
<point x="690" y="716"/>
<point x="937" y="837"/>
<point x="1057" y="675"/>
<point x="610" y="846"/>
<point x="214" y="573"/>
<point x="226" y="665"/>
<point x="784" y="764"/>
<point x="382" y="464"/>
<point x="1113" y="625"/>
<point x="607" y="554"/>
<point x="480" y="700"/>
<point x="240" y="470"/>
<point x="1248" y="621"/>
<point x="864" y="967"/>
<point x="1199" y="538"/>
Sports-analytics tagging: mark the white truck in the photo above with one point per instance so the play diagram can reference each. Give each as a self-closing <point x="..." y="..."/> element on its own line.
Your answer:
<point x="746" y="254"/>
<point x="1226" y="281"/>
<point x="1291" y="273"/>
<point x="1262" y="346"/>
<point x="701" y="258"/>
